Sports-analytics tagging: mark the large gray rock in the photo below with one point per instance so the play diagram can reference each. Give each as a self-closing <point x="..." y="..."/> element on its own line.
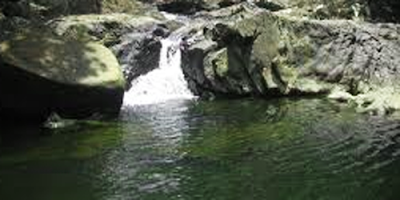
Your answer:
<point x="135" y="40"/>
<point x="42" y="74"/>
<point x="263" y="54"/>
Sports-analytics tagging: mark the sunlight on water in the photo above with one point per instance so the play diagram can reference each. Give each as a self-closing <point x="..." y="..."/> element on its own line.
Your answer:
<point x="222" y="150"/>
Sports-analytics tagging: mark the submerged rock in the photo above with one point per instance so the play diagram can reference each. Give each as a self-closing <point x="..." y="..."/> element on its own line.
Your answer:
<point x="42" y="74"/>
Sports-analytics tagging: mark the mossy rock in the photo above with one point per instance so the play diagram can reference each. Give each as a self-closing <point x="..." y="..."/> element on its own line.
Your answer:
<point x="221" y="63"/>
<point x="106" y="28"/>
<point x="41" y="74"/>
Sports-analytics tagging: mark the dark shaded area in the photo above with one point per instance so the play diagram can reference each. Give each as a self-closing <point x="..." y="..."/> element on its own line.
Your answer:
<point x="27" y="135"/>
<point x="31" y="95"/>
<point x="181" y="6"/>
<point x="12" y="135"/>
<point x="49" y="9"/>
<point x="269" y="5"/>
<point x="384" y="10"/>
<point x="28" y="98"/>
<point x="66" y="146"/>
<point x="192" y="6"/>
<point x="226" y="3"/>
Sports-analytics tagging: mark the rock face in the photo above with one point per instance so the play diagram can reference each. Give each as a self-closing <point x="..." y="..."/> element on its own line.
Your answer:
<point x="42" y="74"/>
<point x="322" y="9"/>
<point x="138" y="55"/>
<point x="377" y="11"/>
<point x="263" y="54"/>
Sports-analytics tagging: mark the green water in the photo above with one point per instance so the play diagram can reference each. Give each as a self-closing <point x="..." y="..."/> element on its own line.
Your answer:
<point x="224" y="150"/>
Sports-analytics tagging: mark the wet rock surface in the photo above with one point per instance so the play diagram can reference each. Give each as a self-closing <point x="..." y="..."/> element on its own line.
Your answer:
<point x="138" y="55"/>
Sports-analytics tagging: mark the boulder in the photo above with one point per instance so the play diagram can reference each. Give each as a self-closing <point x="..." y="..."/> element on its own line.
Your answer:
<point x="134" y="40"/>
<point x="42" y="74"/>
<point x="264" y="54"/>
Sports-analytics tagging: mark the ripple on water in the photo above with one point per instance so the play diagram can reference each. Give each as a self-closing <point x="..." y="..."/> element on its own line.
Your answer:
<point x="237" y="149"/>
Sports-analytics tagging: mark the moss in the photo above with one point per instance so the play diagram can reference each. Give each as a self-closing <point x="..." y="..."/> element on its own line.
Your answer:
<point x="71" y="62"/>
<point x="90" y="20"/>
<point x="221" y="63"/>
<point x="79" y="32"/>
<point x="105" y="29"/>
<point x="109" y="78"/>
<point x="288" y="74"/>
<point x="112" y="6"/>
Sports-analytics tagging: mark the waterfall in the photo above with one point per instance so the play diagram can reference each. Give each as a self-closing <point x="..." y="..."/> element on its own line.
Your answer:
<point x="164" y="83"/>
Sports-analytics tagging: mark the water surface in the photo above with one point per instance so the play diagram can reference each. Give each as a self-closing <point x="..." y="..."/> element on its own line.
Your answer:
<point x="223" y="150"/>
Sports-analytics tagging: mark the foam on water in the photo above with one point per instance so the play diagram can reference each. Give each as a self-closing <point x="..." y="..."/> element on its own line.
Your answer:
<point x="164" y="83"/>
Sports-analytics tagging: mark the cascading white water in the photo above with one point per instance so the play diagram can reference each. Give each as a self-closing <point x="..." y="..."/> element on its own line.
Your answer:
<point x="164" y="83"/>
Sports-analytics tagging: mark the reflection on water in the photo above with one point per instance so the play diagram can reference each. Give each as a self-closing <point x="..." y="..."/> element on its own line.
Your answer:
<point x="223" y="150"/>
<point x="145" y="162"/>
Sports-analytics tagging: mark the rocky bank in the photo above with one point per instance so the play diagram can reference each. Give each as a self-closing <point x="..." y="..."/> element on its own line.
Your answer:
<point x="255" y="52"/>
<point x="344" y="50"/>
